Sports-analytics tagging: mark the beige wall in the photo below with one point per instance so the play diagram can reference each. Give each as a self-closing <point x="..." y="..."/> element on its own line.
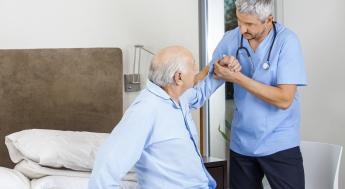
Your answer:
<point x="320" y="26"/>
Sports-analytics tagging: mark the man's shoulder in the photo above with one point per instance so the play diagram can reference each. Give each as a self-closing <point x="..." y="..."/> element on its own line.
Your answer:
<point x="232" y="34"/>
<point x="285" y="33"/>
<point x="229" y="41"/>
<point x="187" y="95"/>
<point x="148" y="102"/>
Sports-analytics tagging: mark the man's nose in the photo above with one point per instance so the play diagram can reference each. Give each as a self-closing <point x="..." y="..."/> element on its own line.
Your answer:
<point x="243" y="29"/>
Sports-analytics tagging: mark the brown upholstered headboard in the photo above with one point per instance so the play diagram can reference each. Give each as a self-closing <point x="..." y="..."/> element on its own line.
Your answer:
<point x="64" y="89"/>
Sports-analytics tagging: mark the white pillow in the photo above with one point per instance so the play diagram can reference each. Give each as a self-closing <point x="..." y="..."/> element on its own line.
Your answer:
<point x="12" y="179"/>
<point x="54" y="148"/>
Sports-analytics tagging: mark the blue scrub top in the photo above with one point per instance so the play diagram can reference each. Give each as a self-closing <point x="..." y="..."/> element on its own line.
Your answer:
<point x="258" y="128"/>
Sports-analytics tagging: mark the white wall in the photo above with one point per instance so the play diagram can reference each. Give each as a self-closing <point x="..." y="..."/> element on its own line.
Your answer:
<point x="101" y="23"/>
<point x="320" y="26"/>
<point x="217" y="100"/>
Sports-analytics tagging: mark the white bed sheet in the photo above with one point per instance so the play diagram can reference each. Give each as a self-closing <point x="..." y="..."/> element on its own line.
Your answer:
<point x="63" y="182"/>
<point x="12" y="179"/>
<point x="33" y="170"/>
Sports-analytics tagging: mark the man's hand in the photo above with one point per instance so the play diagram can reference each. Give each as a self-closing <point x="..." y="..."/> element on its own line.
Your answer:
<point x="227" y="69"/>
<point x="231" y="62"/>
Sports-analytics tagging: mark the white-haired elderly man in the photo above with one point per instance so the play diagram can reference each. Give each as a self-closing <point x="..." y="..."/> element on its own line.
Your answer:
<point x="265" y="134"/>
<point x="157" y="133"/>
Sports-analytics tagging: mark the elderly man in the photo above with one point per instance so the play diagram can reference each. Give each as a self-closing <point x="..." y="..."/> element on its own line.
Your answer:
<point x="157" y="133"/>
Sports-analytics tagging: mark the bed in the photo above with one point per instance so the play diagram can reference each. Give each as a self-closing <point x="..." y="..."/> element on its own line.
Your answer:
<point x="78" y="89"/>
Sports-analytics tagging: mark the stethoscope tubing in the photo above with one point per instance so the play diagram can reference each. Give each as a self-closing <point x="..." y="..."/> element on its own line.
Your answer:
<point x="266" y="65"/>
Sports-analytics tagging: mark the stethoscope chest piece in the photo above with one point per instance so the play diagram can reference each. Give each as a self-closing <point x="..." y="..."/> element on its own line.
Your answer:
<point x="266" y="66"/>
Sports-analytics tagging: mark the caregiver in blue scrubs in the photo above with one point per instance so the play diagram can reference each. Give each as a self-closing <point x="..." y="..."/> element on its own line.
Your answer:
<point x="265" y="133"/>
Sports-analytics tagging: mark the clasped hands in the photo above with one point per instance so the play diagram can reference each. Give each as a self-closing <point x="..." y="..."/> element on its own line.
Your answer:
<point x="227" y="69"/>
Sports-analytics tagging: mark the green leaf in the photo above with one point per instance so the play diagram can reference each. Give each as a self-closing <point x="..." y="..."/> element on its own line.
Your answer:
<point x="227" y="125"/>
<point x="224" y="135"/>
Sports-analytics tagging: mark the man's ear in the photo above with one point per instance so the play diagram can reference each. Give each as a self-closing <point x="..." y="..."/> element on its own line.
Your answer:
<point x="178" y="78"/>
<point x="269" y="19"/>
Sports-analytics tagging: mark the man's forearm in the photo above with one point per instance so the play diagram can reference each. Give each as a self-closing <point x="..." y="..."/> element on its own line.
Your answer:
<point x="203" y="90"/>
<point x="280" y="96"/>
<point x="201" y="75"/>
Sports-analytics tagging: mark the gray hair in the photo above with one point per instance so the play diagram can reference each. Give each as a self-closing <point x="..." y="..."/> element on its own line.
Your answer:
<point x="262" y="8"/>
<point x="166" y="63"/>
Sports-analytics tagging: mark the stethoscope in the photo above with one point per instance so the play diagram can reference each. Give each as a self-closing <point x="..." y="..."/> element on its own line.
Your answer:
<point x="266" y="65"/>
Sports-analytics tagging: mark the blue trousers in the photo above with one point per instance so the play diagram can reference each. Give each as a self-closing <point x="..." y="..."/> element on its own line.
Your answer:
<point x="284" y="170"/>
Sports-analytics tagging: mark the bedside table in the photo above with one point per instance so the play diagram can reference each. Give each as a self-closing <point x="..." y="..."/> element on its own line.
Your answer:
<point x="218" y="170"/>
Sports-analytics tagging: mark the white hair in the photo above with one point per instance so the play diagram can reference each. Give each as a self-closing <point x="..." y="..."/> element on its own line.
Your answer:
<point x="164" y="67"/>
<point x="261" y="8"/>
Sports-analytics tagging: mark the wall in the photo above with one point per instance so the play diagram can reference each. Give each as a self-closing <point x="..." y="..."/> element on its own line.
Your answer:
<point x="101" y="23"/>
<point x="320" y="26"/>
<point x="217" y="100"/>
